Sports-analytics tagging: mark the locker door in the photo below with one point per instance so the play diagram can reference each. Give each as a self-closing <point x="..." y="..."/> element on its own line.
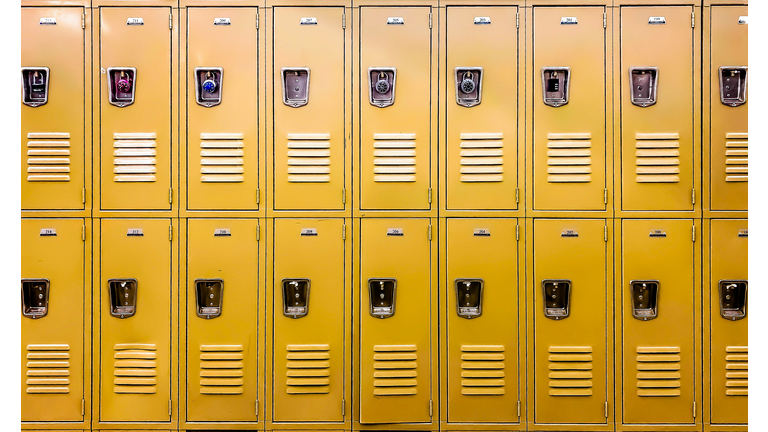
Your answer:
<point x="135" y="137"/>
<point x="396" y="373"/>
<point x="571" y="360"/>
<point x="222" y="120"/>
<point x="482" y="137"/>
<point x="309" y="364"/>
<point x="52" y="284"/>
<point x="658" y="352"/>
<point x="483" y="350"/>
<point x="657" y="132"/>
<point x="222" y="297"/>
<point x="569" y="137"/>
<point x="53" y="134"/>
<point x="135" y="349"/>
<point x="395" y="140"/>
<point x="309" y="140"/>
<point x="729" y="347"/>
<point x="728" y="123"/>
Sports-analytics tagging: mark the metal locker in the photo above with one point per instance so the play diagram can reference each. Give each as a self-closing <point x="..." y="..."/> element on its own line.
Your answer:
<point x="53" y="108"/>
<point x="481" y="107"/>
<point x="221" y="331"/>
<point x="222" y="108"/>
<point x="135" y="107"/>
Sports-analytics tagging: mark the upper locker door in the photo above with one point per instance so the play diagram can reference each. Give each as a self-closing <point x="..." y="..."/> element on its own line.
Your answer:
<point x="569" y="315"/>
<point x="395" y="347"/>
<point x="658" y="328"/>
<point x="728" y="108"/>
<point x="52" y="113"/>
<point x="222" y="297"/>
<point x="569" y="62"/>
<point x="52" y="321"/>
<point x="657" y="123"/>
<point x="136" y="324"/>
<point x="309" y="136"/>
<point x="482" y="307"/>
<point x="222" y="127"/>
<point x="309" y="310"/>
<point x="135" y="87"/>
<point x="395" y="107"/>
<point x="481" y="98"/>
<point x="729" y="348"/>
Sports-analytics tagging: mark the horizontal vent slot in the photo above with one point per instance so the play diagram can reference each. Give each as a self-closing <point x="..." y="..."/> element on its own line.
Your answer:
<point x="308" y="369"/>
<point x="482" y="370"/>
<point x="48" y="154"/>
<point x="309" y="158"/>
<point x="569" y="158"/>
<point x="134" y="157"/>
<point x="48" y="369"/>
<point x="135" y="369"/>
<point x="221" y="158"/>
<point x="394" y="370"/>
<point x="737" y="157"/>
<point x="221" y="369"/>
<point x="656" y="158"/>
<point x="481" y="158"/>
<point x="570" y="371"/>
<point x="394" y="158"/>
<point x="658" y="371"/>
<point x="736" y="370"/>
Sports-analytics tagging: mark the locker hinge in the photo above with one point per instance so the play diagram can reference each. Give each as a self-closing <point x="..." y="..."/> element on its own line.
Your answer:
<point x="693" y="19"/>
<point x="258" y="237"/>
<point x="257" y="26"/>
<point x="83" y="233"/>
<point x="606" y="409"/>
<point x="430" y="407"/>
<point x="517" y="195"/>
<point x="518" y="409"/>
<point x="170" y="26"/>
<point x="430" y="26"/>
<point x="344" y="232"/>
<point x="170" y="233"/>
<point x="170" y="196"/>
<point x="343" y="195"/>
<point x="344" y="20"/>
<point x="605" y="196"/>
<point x="83" y="196"/>
<point x="343" y="407"/>
<point x="82" y="21"/>
<point x="693" y="233"/>
<point x="517" y="232"/>
<point x="429" y="195"/>
<point x="605" y="20"/>
<point x="693" y="196"/>
<point x="429" y="236"/>
<point x="258" y="195"/>
<point x="256" y="408"/>
<point x="170" y="405"/>
<point x="694" y="409"/>
<point x="605" y="235"/>
<point x="517" y="25"/>
<point x="82" y="407"/>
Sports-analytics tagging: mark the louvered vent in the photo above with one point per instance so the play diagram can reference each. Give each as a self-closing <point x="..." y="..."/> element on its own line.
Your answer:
<point x="221" y="158"/>
<point x="736" y="371"/>
<point x="482" y="370"/>
<point x="134" y="157"/>
<point x="309" y="158"/>
<point x="657" y="158"/>
<point x="308" y="369"/>
<point x="48" y="369"/>
<point x="569" y="158"/>
<point x="736" y="157"/>
<point x="135" y="368"/>
<point x="221" y="369"/>
<point x="48" y="157"/>
<point x="482" y="157"/>
<point x="394" y="158"/>
<point x="394" y="370"/>
<point x="570" y="371"/>
<point x="658" y="371"/>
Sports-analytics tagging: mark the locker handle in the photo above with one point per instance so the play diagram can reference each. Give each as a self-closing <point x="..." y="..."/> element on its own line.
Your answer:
<point x="209" y="295"/>
<point x="295" y="297"/>
<point x="733" y="299"/>
<point x="382" y="292"/>
<point x="34" y="297"/>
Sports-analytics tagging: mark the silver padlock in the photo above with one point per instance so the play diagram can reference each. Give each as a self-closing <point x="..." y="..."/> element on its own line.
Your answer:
<point x="382" y="86"/>
<point x="467" y="83"/>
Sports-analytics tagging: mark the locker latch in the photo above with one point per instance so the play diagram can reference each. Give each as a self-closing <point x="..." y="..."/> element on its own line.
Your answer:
<point x="557" y="298"/>
<point x="469" y="297"/>
<point x="733" y="85"/>
<point x="643" y="82"/>
<point x="733" y="299"/>
<point x="295" y="297"/>
<point x="208" y="86"/>
<point x="381" y="86"/>
<point x="34" y="85"/>
<point x="295" y="86"/>
<point x="645" y="297"/>
<point x="34" y="297"/>
<point x="556" y="85"/>
<point x="382" y="296"/>
<point x="122" y="297"/>
<point x="469" y="85"/>
<point x="210" y="297"/>
<point x="122" y="86"/>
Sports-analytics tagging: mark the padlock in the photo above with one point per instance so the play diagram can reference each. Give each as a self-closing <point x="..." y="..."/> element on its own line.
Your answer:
<point x="382" y="86"/>
<point x="467" y="83"/>
<point x="124" y="83"/>
<point x="209" y="85"/>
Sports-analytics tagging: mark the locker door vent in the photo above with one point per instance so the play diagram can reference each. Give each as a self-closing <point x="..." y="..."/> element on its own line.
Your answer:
<point x="482" y="157"/>
<point x="221" y="158"/>
<point x="570" y="371"/>
<point x="309" y="158"/>
<point x="569" y="158"/>
<point x="736" y="157"/>
<point x="394" y="158"/>
<point x="48" y="369"/>
<point x="134" y="157"/>
<point x="221" y="369"/>
<point x="657" y="157"/>
<point x="482" y="370"/>
<point x="309" y="369"/>
<point x="394" y="370"/>
<point x="48" y="157"/>
<point x="736" y="371"/>
<point x="135" y="368"/>
<point x="658" y="371"/>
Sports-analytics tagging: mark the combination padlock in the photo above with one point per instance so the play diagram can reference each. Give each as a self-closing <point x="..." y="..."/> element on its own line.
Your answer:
<point x="209" y="85"/>
<point x="467" y="84"/>
<point x="124" y="83"/>
<point x="382" y="86"/>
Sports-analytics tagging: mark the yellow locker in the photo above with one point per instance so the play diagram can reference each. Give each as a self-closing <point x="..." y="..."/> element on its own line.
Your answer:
<point x="395" y="107"/>
<point x="53" y="112"/>
<point x="728" y="134"/>
<point x="53" y="324"/>
<point x="658" y="297"/>
<point x="482" y="310"/>
<point x="222" y="329"/>
<point x="309" y="317"/>
<point x="135" y="325"/>
<point x="570" y="306"/>
<point x="728" y="344"/>
<point x="135" y="107"/>
<point x="657" y="108"/>
<point x="569" y="113"/>
<point x="481" y="107"/>
<point x="396" y="305"/>
<point x="308" y="90"/>
<point x="222" y="126"/>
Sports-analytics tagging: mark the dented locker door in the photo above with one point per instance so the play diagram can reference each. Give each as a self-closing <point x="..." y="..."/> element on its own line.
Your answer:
<point x="395" y="139"/>
<point x="728" y="121"/>
<point x="571" y="361"/>
<point x="309" y="141"/>
<point x="482" y="123"/>
<point x="657" y="132"/>
<point x="136" y="330"/>
<point x="222" y="297"/>
<point x="395" y="357"/>
<point x="483" y="315"/>
<point x="135" y="136"/>
<point x="569" y="135"/>
<point x="309" y="311"/>
<point x="52" y="324"/>
<point x="729" y="348"/>
<point x="53" y="131"/>
<point x="222" y="109"/>
<point x="658" y="335"/>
